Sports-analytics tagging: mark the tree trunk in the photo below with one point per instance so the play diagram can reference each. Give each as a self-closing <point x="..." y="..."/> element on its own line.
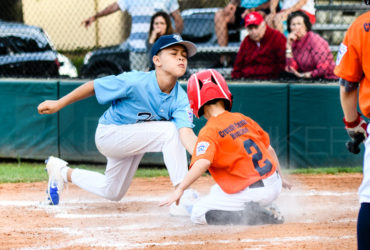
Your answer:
<point x="11" y="10"/>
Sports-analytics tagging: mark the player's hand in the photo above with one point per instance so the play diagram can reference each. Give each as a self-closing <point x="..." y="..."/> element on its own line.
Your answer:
<point x="286" y="184"/>
<point x="48" y="107"/>
<point x="86" y="23"/>
<point x="356" y="127"/>
<point x="175" y="197"/>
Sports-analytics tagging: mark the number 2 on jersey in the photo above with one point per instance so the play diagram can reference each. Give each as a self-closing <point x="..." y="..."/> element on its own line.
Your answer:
<point x="256" y="157"/>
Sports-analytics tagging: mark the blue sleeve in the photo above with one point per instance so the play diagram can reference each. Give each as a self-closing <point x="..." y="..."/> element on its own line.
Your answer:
<point x="183" y="115"/>
<point x="110" y="88"/>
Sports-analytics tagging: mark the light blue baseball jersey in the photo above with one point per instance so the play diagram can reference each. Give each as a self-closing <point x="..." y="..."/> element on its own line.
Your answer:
<point x="248" y="4"/>
<point x="141" y="12"/>
<point x="136" y="97"/>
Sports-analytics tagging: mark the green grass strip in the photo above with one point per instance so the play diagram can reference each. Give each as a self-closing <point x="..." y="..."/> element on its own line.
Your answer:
<point x="33" y="172"/>
<point x="324" y="170"/>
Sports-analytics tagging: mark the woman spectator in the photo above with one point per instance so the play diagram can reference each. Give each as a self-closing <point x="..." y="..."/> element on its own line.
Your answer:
<point x="160" y="24"/>
<point x="307" y="54"/>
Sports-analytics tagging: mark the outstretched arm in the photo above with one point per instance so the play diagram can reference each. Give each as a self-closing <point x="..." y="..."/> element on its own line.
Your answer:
<point x="188" y="139"/>
<point x="198" y="168"/>
<point x="53" y="106"/>
<point x="107" y="11"/>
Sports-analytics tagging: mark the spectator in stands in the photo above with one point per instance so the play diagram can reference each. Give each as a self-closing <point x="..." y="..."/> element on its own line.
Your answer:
<point x="141" y="12"/>
<point x="232" y="17"/>
<point x="276" y="20"/>
<point x="307" y="54"/>
<point x="262" y="52"/>
<point x="160" y="24"/>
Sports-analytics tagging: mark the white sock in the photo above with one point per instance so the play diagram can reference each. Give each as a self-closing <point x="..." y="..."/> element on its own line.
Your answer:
<point x="63" y="172"/>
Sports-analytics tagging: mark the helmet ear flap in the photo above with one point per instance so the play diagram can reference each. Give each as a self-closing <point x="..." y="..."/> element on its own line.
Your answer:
<point x="200" y="84"/>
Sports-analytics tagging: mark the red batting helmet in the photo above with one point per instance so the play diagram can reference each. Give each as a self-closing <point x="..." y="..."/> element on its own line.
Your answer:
<point x="205" y="86"/>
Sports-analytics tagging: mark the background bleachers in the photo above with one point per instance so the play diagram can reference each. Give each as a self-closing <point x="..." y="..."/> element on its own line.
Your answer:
<point x="62" y="20"/>
<point x="334" y="17"/>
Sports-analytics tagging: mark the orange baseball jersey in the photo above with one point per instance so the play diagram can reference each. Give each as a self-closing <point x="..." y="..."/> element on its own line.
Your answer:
<point x="353" y="59"/>
<point x="237" y="148"/>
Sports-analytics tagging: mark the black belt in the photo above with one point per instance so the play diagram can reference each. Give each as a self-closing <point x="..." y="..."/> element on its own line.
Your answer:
<point x="259" y="183"/>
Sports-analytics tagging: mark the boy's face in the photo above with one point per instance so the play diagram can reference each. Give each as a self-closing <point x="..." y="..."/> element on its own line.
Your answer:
<point x="173" y="60"/>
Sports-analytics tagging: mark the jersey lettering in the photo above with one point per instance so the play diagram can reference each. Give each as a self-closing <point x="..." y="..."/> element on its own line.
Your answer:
<point x="256" y="157"/>
<point x="367" y="27"/>
<point x="146" y="117"/>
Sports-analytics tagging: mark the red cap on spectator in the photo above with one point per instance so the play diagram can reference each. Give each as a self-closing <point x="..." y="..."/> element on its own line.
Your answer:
<point x="253" y="18"/>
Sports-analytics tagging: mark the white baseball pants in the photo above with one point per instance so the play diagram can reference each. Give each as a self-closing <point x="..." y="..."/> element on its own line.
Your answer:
<point x="217" y="199"/>
<point x="364" y="190"/>
<point x="124" y="147"/>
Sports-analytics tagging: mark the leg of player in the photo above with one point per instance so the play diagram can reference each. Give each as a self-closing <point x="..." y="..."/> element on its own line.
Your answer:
<point x="235" y="208"/>
<point x="116" y="180"/>
<point x="253" y="214"/>
<point x="363" y="227"/>
<point x="124" y="147"/>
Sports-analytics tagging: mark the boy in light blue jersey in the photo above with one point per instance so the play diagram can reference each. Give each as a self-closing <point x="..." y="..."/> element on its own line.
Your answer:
<point x="149" y="112"/>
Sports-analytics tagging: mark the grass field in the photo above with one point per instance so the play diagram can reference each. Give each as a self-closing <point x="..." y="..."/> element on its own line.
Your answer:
<point x="34" y="172"/>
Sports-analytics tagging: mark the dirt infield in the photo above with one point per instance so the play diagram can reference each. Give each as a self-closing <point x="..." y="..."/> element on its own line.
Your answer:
<point x="320" y="213"/>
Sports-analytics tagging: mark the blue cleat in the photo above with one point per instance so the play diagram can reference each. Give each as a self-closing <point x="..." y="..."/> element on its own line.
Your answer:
<point x="56" y="182"/>
<point x="53" y="194"/>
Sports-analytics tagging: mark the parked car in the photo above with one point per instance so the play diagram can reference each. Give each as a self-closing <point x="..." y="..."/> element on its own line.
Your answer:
<point x="106" y="61"/>
<point x="26" y="51"/>
<point x="66" y="68"/>
<point x="198" y="28"/>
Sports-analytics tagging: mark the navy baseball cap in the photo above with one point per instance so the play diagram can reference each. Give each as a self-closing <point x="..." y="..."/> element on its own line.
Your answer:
<point x="169" y="40"/>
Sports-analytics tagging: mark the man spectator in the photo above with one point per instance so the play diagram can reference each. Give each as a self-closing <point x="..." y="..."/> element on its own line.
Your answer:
<point x="262" y="52"/>
<point x="276" y="20"/>
<point x="232" y="17"/>
<point x="141" y="12"/>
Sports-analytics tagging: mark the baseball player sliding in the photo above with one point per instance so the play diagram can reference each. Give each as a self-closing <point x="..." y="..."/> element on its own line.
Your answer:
<point x="353" y="68"/>
<point x="238" y="155"/>
<point x="149" y="112"/>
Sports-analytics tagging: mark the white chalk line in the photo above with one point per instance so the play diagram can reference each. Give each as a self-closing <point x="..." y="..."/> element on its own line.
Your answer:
<point x="79" y="202"/>
<point x="161" y="198"/>
<point x="318" y="193"/>
<point x="110" y="215"/>
<point x="127" y="245"/>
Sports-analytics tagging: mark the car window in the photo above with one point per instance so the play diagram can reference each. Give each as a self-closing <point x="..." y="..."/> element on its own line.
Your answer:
<point x="24" y="44"/>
